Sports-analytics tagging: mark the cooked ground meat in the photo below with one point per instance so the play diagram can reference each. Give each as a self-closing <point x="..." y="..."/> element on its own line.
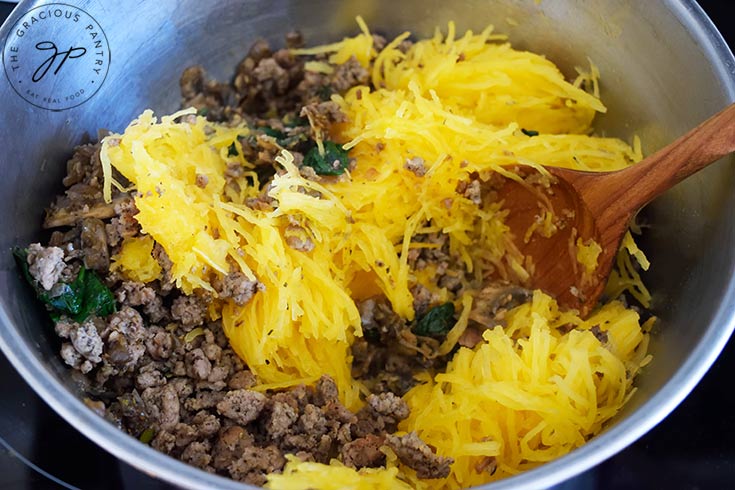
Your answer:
<point x="198" y="454"/>
<point x="87" y="342"/>
<point x="237" y="286"/>
<point x="297" y="237"/>
<point x="124" y="337"/>
<point x="71" y="357"/>
<point x="282" y="416"/>
<point x="82" y="167"/>
<point x="241" y="380"/>
<point x="189" y="310"/>
<point x="45" y="264"/>
<point x="93" y="239"/>
<point x="242" y="406"/>
<point x="254" y="463"/>
<point x="156" y="310"/>
<point x="149" y="376"/>
<point x="380" y="415"/>
<point x="414" y="453"/>
<point x="349" y="74"/>
<point x="422" y="299"/>
<point x="474" y="192"/>
<point x="191" y="82"/>
<point x="390" y="353"/>
<point x="165" y="262"/>
<point x="269" y="73"/>
<point x="162" y="406"/>
<point x="450" y="272"/>
<point x="135" y="294"/>
<point x="202" y="181"/>
<point x="123" y="224"/>
<point x="254" y="431"/>
<point x="388" y="406"/>
<point x="416" y="165"/>
<point x="470" y="337"/>
<point x="197" y="365"/>
<point x="208" y="97"/>
<point x="322" y="115"/>
<point x="364" y="452"/>
<point x="159" y="344"/>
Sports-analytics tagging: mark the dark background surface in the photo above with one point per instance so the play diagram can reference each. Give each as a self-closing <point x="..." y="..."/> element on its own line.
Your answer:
<point x="693" y="449"/>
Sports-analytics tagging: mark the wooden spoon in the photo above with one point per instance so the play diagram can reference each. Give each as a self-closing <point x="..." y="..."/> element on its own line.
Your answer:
<point x="599" y="206"/>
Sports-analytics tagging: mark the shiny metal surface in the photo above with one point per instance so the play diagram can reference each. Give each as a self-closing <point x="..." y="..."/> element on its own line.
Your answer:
<point x="664" y="69"/>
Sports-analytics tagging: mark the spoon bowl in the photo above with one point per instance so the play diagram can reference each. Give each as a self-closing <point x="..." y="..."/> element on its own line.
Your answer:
<point x="569" y="224"/>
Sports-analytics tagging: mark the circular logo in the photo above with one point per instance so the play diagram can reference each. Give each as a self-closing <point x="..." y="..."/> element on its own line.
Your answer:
<point x="56" y="56"/>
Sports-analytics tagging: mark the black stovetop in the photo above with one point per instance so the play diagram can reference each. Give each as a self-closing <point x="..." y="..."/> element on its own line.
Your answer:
<point x="692" y="449"/>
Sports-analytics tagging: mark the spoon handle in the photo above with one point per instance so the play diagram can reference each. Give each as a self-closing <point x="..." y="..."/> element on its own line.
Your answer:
<point x="634" y="187"/>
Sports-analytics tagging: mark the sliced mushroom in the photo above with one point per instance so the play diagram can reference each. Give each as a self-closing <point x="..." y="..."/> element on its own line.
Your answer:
<point x="80" y="201"/>
<point x="94" y="244"/>
<point x="59" y="215"/>
<point x="494" y="300"/>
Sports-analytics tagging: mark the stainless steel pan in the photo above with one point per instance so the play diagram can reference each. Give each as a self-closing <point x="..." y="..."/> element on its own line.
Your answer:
<point x="664" y="69"/>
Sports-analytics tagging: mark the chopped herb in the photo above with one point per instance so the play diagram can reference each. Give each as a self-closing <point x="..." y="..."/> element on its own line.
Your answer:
<point x="147" y="435"/>
<point x="333" y="162"/>
<point x="203" y="111"/>
<point x="437" y="321"/>
<point x="529" y="132"/>
<point x="232" y="150"/>
<point x="282" y="138"/>
<point x="274" y="133"/>
<point x="85" y="295"/>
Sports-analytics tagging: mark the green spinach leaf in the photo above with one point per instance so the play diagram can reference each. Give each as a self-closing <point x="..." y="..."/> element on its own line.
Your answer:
<point x="333" y="162"/>
<point x="268" y="131"/>
<point x="96" y="297"/>
<point x="283" y="139"/>
<point x="437" y="322"/>
<point x="85" y="295"/>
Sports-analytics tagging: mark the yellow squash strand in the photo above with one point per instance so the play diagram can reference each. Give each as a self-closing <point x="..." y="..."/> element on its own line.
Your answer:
<point x="530" y="393"/>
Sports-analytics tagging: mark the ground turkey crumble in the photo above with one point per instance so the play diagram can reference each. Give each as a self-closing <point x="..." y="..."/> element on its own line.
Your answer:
<point x="161" y="370"/>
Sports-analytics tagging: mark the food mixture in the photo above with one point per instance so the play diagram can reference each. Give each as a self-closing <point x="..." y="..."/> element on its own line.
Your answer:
<point x="303" y="279"/>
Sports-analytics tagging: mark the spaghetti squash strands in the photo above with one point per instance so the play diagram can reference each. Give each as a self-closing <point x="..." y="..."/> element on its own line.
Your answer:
<point x="301" y="324"/>
<point x="136" y="261"/>
<point x="299" y="475"/>
<point x="529" y="393"/>
<point x="441" y="118"/>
